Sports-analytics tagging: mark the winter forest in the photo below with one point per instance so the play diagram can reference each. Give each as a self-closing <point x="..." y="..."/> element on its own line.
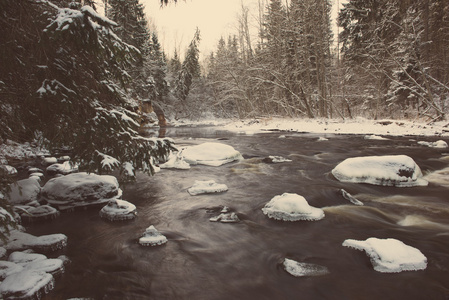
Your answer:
<point x="69" y="73"/>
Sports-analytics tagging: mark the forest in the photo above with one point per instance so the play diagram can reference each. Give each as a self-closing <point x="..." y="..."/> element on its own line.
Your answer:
<point x="75" y="77"/>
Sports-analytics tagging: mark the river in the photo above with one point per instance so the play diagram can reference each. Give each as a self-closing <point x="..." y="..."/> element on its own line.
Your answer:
<point x="212" y="260"/>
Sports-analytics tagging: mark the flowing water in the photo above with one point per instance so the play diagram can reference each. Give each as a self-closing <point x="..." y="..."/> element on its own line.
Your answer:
<point x="212" y="260"/>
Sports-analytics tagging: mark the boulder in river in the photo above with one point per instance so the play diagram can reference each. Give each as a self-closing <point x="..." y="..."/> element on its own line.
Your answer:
<point x="292" y="207"/>
<point x="389" y="170"/>
<point x="211" y="154"/>
<point x="207" y="187"/>
<point x="118" y="210"/>
<point x="80" y="189"/>
<point x="152" y="237"/>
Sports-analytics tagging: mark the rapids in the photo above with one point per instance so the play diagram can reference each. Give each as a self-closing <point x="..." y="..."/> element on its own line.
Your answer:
<point x="244" y="260"/>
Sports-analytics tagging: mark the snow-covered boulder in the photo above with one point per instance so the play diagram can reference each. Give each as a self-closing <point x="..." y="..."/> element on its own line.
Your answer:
<point x="80" y="189"/>
<point x="19" y="240"/>
<point x="438" y="144"/>
<point x="291" y="207"/>
<point x="175" y="161"/>
<point x="48" y="160"/>
<point x="350" y="198"/>
<point x="299" y="269"/>
<point x="152" y="237"/>
<point x="63" y="168"/>
<point x="273" y="159"/>
<point x="226" y="216"/>
<point x="211" y="154"/>
<point x="8" y="170"/>
<point x="389" y="170"/>
<point x="28" y="284"/>
<point x="207" y="187"/>
<point x="390" y="255"/>
<point x="39" y="213"/>
<point x="24" y="192"/>
<point x="8" y="268"/>
<point x="118" y="210"/>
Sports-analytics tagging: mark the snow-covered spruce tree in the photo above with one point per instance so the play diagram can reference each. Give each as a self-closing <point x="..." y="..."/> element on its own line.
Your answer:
<point x="67" y="84"/>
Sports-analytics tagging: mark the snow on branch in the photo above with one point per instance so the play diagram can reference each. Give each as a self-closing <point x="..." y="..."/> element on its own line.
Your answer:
<point x="108" y="162"/>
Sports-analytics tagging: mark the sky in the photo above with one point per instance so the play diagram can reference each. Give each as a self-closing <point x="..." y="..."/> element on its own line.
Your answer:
<point x="176" y="23"/>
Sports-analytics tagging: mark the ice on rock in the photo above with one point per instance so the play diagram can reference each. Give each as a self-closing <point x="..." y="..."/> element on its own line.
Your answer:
<point x="299" y="269"/>
<point x="438" y="144"/>
<point x="18" y="240"/>
<point x="80" y="189"/>
<point x="28" y="284"/>
<point x="39" y="213"/>
<point x="211" y="154"/>
<point x="390" y="255"/>
<point x="390" y="170"/>
<point x="152" y="237"/>
<point x="292" y="207"/>
<point x="118" y="210"/>
<point x="24" y="191"/>
<point x="207" y="187"/>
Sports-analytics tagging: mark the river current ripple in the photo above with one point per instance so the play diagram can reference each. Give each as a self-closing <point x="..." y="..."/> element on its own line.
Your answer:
<point x="211" y="260"/>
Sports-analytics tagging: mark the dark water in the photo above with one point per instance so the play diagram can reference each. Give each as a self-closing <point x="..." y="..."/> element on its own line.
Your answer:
<point x="207" y="260"/>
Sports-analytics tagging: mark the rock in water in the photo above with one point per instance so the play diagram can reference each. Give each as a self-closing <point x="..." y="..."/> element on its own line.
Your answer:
<point x="118" y="210"/>
<point x="40" y="213"/>
<point x="390" y="170"/>
<point x="28" y="284"/>
<point x="152" y="237"/>
<point x="211" y="154"/>
<point x="299" y="269"/>
<point x="350" y="198"/>
<point x="24" y="192"/>
<point x="292" y="207"/>
<point x="18" y="240"/>
<point x="80" y="189"/>
<point x="206" y="187"/>
<point x="390" y="255"/>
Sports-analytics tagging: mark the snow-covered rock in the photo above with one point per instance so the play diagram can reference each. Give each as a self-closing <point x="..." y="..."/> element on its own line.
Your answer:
<point x="390" y="255"/>
<point x="226" y="216"/>
<point x="176" y="161"/>
<point x="374" y="137"/>
<point x="39" y="213"/>
<point x="389" y="170"/>
<point x="80" y="189"/>
<point x="291" y="207"/>
<point x="19" y="240"/>
<point x="152" y="237"/>
<point x="54" y="266"/>
<point x="206" y="187"/>
<point x="24" y="191"/>
<point x="8" y="170"/>
<point x="438" y="144"/>
<point x="118" y="210"/>
<point x="211" y="154"/>
<point x="275" y="159"/>
<point x="350" y="198"/>
<point x="299" y="269"/>
<point x="8" y="268"/>
<point x="28" y="284"/>
<point x="49" y="160"/>
<point x="64" y="168"/>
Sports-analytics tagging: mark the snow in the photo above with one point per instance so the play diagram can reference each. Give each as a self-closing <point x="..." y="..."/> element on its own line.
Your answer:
<point x="117" y="210"/>
<point x="24" y="258"/>
<point x="207" y="187"/>
<point x="24" y="191"/>
<point x="299" y="269"/>
<point x="49" y="160"/>
<point x="438" y="144"/>
<point x="19" y="240"/>
<point x="9" y="170"/>
<point x="64" y="168"/>
<point x="26" y="284"/>
<point x="389" y="170"/>
<point x="108" y="162"/>
<point x="275" y="159"/>
<point x="374" y="137"/>
<point x="210" y="154"/>
<point x="176" y="161"/>
<point x="80" y="189"/>
<point x="226" y="216"/>
<point x="8" y="268"/>
<point x="390" y="255"/>
<point x="292" y="207"/>
<point x="350" y="198"/>
<point x="152" y="237"/>
<point x="39" y="213"/>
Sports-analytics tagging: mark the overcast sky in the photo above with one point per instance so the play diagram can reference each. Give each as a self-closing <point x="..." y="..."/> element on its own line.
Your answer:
<point x="176" y="23"/>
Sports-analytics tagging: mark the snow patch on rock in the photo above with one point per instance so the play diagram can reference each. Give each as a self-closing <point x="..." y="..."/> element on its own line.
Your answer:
<point x="211" y="154"/>
<point x="207" y="187"/>
<point x="152" y="237"/>
<point x="299" y="269"/>
<point x="292" y="207"/>
<point x="118" y="210"/>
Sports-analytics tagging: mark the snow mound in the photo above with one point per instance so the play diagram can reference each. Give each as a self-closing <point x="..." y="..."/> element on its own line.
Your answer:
<point x="375" y="137"/>
<point x="25" y="258"/>
<point x="118" y="210"/>
<point x="390" y="255"/>
<point x="24" y="191"/>
<point x="152" y="237"/>
<point x="18" y="240"/>
<point x="350" y="198"/>
<point x="175" y="161"/>
<point x="390" y="170"/>
<point x="54" y="266"/>
<point x="48" y="160"/>
<point x="28" y="284"/>
<point x="211" y="154"/>
<point x="80" y="189"/>
<point x="40" y="213"/>
<point x="299" y="269"/>
<point x="438" y="144"/>
<point x="64" y="168"/>
<point x="8" y="268"/>
<point x="291" y="207"/>
<point x="275" y="159"/>
<point x="207" y="187"/>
